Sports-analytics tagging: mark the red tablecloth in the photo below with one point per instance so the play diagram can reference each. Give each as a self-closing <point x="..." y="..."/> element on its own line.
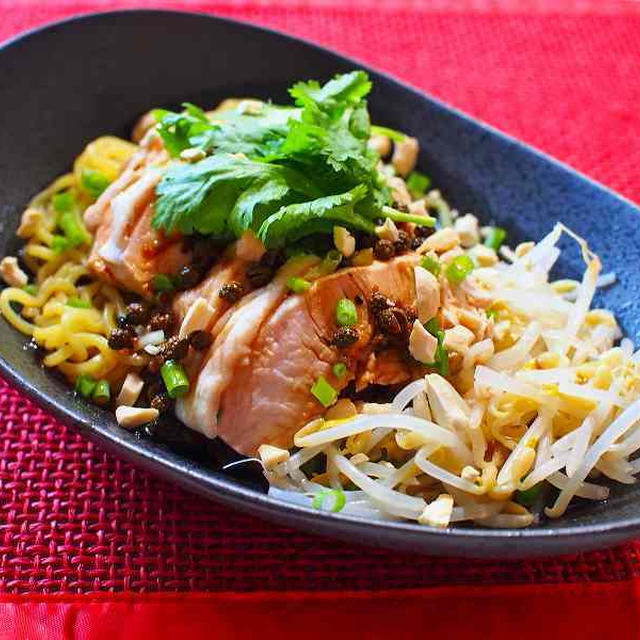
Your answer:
<point x="563" y="76"/>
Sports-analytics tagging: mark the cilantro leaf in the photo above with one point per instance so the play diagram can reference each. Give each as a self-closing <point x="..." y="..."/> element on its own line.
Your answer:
<point x="224" y="193"/>
<point x="335" y="96"/>
<point x="286" y="172"/>
<point x="297" y="220"/>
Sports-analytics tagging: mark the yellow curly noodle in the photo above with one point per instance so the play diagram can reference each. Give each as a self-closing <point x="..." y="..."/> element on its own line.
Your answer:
<point x="74" y="338"/>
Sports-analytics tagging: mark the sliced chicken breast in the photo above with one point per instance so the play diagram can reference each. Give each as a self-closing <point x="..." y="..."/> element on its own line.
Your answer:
<point x="126" y="249"/>
<point x="255" y="385"/>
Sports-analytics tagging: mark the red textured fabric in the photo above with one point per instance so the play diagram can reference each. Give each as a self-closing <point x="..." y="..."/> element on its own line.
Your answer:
<point x="74" y="519"/>
<point x="529" y="611"/>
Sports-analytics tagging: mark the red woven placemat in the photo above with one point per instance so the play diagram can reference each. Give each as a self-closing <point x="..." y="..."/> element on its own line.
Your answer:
<point x="73" y="518"/>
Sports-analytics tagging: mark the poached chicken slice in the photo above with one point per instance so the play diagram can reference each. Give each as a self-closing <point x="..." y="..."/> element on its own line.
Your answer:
<point x="232" y="345"/>
<point x="126" y="249"/>
<point x="254" y="387"/>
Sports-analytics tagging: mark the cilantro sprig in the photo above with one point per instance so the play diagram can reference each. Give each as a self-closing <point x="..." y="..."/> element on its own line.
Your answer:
<point x="285" y="172"/>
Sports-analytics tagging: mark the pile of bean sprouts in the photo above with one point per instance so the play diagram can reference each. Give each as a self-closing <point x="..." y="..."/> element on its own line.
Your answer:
<point x="551" y="417"/>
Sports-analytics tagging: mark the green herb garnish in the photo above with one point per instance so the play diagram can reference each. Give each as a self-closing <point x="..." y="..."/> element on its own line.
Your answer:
<point x="85" y="385"/>
<point x="102" y="392"/>
<point x="495" y="237"/>
<point x="78" y="303"/>
<point x="431" y="264"/>
<point x="324" y="393"/>
<point x="286" y="173"/>
<point x="93" y="182"/>
<point x="458" y="269"/>
<point x="417" y="184"/>
<point x="162" y="283"/>
<point x="346" y="313"/>
<point x="31" y="289"/>
<point x="529" y="497"/>
<point x="336" y="499"/>
<point x="298" y="285"/>
<point x="339" y="369"/>
<point x="174" y="378"/>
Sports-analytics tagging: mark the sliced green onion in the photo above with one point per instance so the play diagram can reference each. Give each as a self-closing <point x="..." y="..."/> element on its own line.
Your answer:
<point x="431" y="264"/>
<point x="63" y="202"/>
<point x="458" y="269"/>
<point x="328" y="265"/>
<point x="73" y="227"/>
<point x="161" y="283"/>
<point x="492" y="313"/>
<point x="324" y="393"/>
<point x="396" y="136"/>
<point x="417" y="184"/>
<point x="346" y="313"/>
<point x="31" y="289"/>
<point x="441" y="358"/>
<point x="298" y="285"/>
<point x="528" y="497"/>
<point x="102" y="392"/>
<point x="78" y="303"/>
<point x="85" y="385"/>
<point x="174" y="378"/>
<point x="339" y="369"/>
<point x="399" y="216"/>
<point x="432" y="326"/>
<point x="495" y="237"/>
<point x="336" y="496"/>
<point x="93" y="182"/>
<point x="60" y="244"/>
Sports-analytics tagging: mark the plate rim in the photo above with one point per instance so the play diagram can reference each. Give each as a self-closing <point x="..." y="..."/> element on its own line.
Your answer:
<point x="450" y="541"/>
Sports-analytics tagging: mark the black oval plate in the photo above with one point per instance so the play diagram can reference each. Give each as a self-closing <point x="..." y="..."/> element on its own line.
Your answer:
<point x="67" y="83"/>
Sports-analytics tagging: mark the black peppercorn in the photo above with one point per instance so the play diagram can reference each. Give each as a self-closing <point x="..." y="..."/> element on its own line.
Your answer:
<point x="389" y="323"/>
<point x="231" y="292"/>
<point x="189" y="276"/>
<point x="161" y="320"/>
<point x="161" y="402"/>
<point x="416" y="243"/>
<point x="175" y="348"/>
<point x="423" y="232"/>
<point x="402" y="243"/>
<point x="383" y="250"/>
<point x="344" y="337"/>
<point x="379" y="303"/>
<point x="137" y="313"/>
<point x="200" y="340"/>
<point x="122" y="339"/>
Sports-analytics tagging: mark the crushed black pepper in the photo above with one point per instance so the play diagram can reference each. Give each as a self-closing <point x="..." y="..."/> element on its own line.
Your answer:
<point x="344" y="337"/>
<point x="231" y="292"/>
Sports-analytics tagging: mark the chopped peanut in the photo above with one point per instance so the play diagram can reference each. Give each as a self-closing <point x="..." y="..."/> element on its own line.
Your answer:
<point x="130" y="391"/>
<point x="468" y="230"/>
<point x="405" y="155"/>
<point x="380" y="144"/>
<point x="132" y="417"/>
<point x="427" y="293"/>
<point x="422" y="345"/>
<point x="388" y="231"/>
<point x="272" y="456"/>
<point x="440" y="241"/>
<point x="197" y="317"/>
<point x="29" y="222"/>
<point x="438" y="513"/>
<point x="458" y="338"/>
<point x="343" y="240"/>
<point x="11" y="272"/>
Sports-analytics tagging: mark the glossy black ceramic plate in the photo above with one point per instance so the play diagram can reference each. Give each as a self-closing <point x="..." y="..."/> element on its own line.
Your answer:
<point x="67" y="83"/>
